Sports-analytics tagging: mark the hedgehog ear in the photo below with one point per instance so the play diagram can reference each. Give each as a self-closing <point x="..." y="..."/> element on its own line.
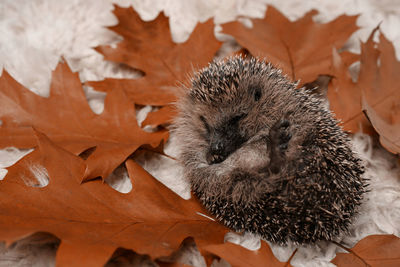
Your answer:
<point x="256" y="91"/>
<point x="257" y="95"/>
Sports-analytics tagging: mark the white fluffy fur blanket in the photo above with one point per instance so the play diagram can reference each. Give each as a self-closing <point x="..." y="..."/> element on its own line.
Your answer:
<point x="34" y="34"/>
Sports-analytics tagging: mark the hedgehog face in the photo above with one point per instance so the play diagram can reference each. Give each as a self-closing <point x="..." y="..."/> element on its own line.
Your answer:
<point x="223" y="139"/>
<point x="226" y="121"/>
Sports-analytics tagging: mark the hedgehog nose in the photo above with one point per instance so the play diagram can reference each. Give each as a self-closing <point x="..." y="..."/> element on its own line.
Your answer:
<point x="217" y="147"/>
<point x="216" y="152"/>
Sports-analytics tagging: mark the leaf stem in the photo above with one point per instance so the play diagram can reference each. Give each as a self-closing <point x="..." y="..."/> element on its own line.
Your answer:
<point x="290" y="258"/>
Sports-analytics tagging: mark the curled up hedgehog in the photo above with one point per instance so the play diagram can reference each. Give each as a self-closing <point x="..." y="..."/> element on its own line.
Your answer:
<point x="265" y="157"/>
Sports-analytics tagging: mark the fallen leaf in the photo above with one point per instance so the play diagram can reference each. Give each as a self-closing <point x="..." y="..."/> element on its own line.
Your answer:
<point x="92" y="219"/>
<point x="345" y="97"/>
<point x="374" y="99"/>
<point x="380" y="83"/>
<point x="389" y="132"/>
<point x="302" y="49"/>
<point x="239" y="256"/>
<point x="161" y="116"/>
<point x="148" y="46"/>
<point x="374" y="250"/>
<point x="67" y="119"/>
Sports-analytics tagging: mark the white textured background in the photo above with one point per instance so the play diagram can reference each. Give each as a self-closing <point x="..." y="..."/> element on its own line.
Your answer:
<point x="34" y="34"/>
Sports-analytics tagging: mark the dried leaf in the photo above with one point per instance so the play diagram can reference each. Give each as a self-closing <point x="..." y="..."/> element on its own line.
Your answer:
<point x="68" y="120"/>
<point x="345" y="97"/>
<point x="301" y="48"/>
<point x="239" y="256"/>
<point x="161" y="116"/>
<point x="374" y="250"/>
<point x="380" y="83"/>
<point x="92" y="219"/>
<point x="148" y="46"/>
<point x="389" y="131"/>
<point x="376" y="93"/>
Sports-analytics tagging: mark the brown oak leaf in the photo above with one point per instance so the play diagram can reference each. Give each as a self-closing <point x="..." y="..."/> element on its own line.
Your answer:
<point x="302" y="49"/>
<point x="148" y="46"/>
<point x="374" y="250"/>
<point x="92" y="219"/>
<point x="380" y="83"/>
<point x="345" y="97"/>
<point x="161" y="116"/>
<point x="372" y="103"/>
<point x="67" y="119"/>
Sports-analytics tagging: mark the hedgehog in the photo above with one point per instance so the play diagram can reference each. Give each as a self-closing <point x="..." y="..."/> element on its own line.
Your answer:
<point x="264" y="156"/>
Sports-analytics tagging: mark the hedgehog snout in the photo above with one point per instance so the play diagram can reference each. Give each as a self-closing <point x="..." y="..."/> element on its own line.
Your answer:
<point x="218" y="149"/>
<point x="222" y="143"/>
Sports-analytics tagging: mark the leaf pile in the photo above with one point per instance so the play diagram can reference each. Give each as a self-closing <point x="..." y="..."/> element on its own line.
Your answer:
<point x="374" y="97"/>
<point x="148" y="46"/>
<point x="94" y="219"/>
<point x="66" y="118"/>
<point x="73" y="146"/>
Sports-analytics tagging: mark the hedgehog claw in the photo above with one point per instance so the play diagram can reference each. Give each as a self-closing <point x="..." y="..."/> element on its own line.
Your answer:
<point x="281" y="136"/>
<point x="284" y="137"/>
<point x="284" y="123"/>
<point x="215" y="159"/>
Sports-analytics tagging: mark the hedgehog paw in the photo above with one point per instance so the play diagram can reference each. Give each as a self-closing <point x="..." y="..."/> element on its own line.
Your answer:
<point x="281" y="135"/>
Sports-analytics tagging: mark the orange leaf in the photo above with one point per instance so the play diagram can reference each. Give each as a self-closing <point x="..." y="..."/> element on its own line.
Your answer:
<point x="148" y="46"/>
<point x="68" y="120"/>
<point x="302" y="49"/>
<point x="161" y="116"/>
<point x="380" y="83"/>
<point x="374" y="250"/>
<point x="92" y="219"/>
<point x="389" y="132"/>
<point x="345" y="97"/>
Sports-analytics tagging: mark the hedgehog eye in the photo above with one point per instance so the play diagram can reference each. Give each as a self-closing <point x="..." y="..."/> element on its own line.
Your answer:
<point x="237" y="118"/>
<point x="257" y="94"/>
<point x="205" y="124"/>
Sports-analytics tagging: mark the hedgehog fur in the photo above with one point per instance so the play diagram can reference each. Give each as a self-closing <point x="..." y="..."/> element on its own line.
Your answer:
<point x="265" y="157"/>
